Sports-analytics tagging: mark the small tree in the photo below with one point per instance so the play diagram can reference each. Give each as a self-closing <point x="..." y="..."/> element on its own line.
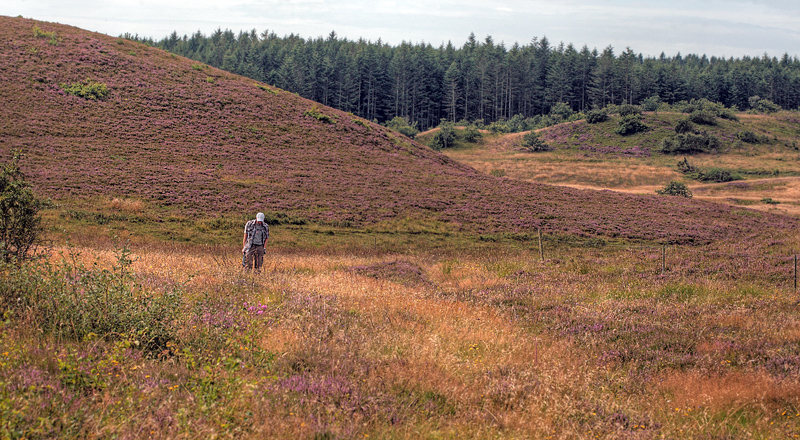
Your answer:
<point x="20" y="224"/>
<point x="532" y="142"/>
<point x="445" y="137"/>
<point x="631" y="124"/>
<point x="675" y="188"/>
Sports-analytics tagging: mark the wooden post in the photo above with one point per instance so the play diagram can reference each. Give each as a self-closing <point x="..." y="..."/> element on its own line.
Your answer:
<point x="795" y="273"/>
<point x="663" y="258"/>
<point x="541" y="249"/>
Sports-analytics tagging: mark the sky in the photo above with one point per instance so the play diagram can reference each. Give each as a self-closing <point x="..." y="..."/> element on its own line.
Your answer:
<point x="729" y="28"/>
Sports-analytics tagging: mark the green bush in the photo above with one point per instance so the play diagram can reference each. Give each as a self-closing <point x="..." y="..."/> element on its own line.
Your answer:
<point x="652" y="103"/>
<point x="718" y="175"/>
<point x="689" y="143"/>
<point x="445" y="137"/>
<point x="316" y="114"/>
<point x="88" y="90"/>
<point x="401" y="125"/>
<point x="675" y="188"/>
<point x="472" y="134"/>
<point x="20" y="223"/>
<point x="631" y="124"/>
<point x="596" y="116"/>
<point x="69" y="300"/>
<point x="751" y="137"/>
<point x="684" y="126"/>
<point x="759" y="105"/>
<point x="628" y="109"/>
<point x="533" y="143"/>
<point x="703" y="117"/>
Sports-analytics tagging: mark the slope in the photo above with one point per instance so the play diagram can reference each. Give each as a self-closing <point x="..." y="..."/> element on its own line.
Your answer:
<point x="188" y="137"/>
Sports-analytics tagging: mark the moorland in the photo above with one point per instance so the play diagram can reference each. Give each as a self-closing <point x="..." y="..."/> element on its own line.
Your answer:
<point x="406" y="292"/>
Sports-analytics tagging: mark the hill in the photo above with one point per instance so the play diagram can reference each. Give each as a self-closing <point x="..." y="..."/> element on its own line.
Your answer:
<point x="202" y="142"/>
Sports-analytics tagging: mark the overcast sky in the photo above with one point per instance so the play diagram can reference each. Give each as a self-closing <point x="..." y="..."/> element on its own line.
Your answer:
<point x="723" y="28"/>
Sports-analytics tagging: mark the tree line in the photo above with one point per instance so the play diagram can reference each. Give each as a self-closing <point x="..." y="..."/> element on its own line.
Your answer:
<point x="482" y="80"/>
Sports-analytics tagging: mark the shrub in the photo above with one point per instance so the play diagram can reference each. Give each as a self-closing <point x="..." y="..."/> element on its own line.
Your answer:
<point x="684" y="126"/>
<point x="52" y="37"/>
<point x="472" y="134"/>
<point x="751" y="137"/>
<point x="401" y="125"/>
<point x="689" y="143"/>
<point x="316" y="114"/>
<point x="532" y="142"/>
<point x="652" y="103"/>
<point x="703" y="117"/>
<point x="561" y="111"/>
<point x="500" y="126"/>
<point x="631" y="124"/>
<point x="628" y="109"/>
<point x="20" y="223"/>
<point x="763" y="105"/>
<point x="596" y="116"/>
<point x="718" y="175"/>
<point x="675" y="188"/>
<point x="69" y="300"/>
<point x="88" y="90"/>
<point x="445" y="137"/>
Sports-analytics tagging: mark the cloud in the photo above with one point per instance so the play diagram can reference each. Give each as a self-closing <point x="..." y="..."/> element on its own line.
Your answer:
<point x="713" y="27"/>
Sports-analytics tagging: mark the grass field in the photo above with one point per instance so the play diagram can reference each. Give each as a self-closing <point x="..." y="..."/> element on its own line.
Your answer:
<point x="363" y="334"/>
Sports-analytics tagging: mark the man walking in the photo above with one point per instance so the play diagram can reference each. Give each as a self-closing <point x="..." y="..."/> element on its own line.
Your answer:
<point x="256" y="234"/>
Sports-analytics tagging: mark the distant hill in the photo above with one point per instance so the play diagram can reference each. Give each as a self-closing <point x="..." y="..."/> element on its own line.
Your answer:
<point x="179" y="134"/>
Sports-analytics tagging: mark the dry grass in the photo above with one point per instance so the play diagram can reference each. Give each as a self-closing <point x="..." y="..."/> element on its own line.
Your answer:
<point x="446" y="357"/>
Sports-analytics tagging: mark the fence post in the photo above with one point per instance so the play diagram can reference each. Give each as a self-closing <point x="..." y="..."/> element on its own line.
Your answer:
<point x="795" y="273"/>
<point x="541" y="249"/>
<point x="663" y="258"/>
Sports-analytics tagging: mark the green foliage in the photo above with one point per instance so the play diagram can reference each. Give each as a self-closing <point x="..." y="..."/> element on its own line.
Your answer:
<point x="651" y="103"/>
<point x="445" y="137"/>
<point x="316" y="114"/>
<point x="472" y="134"/>
<point x="533" y="143"/>
<point x="718" y="175"/>
<point x="690" y="143"/>
<point x="69" y="300"/>
<point x="631" y="124"/>
<point x="759" y="105"/>
<point x="498" y="172"/>
<point x="20" y="223"/>
<point x="499" y="127"/>
<point x="675" y="188"/>
<point x="52" y="37"/>
<point x="596" y="116"/>
<point x="401" y="125"/>
<point x="751" y="138"/>
<point x="628" y="110"/>
<point x="88" y="90"/>
<point x="561" y="110"/>
<point x="684" y="126"/>
<point x="703" y="117"/>
<point x="769" y="201"/>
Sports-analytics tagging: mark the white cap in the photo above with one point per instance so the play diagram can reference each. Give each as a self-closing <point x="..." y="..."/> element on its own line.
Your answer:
<point x="260" y="217"/>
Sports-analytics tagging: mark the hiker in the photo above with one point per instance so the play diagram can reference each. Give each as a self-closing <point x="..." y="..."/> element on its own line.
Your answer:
<point x="256" y="234"/>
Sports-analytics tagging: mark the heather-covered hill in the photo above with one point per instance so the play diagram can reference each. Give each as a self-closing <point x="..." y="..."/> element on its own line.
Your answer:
<point x="175" y="133"/>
